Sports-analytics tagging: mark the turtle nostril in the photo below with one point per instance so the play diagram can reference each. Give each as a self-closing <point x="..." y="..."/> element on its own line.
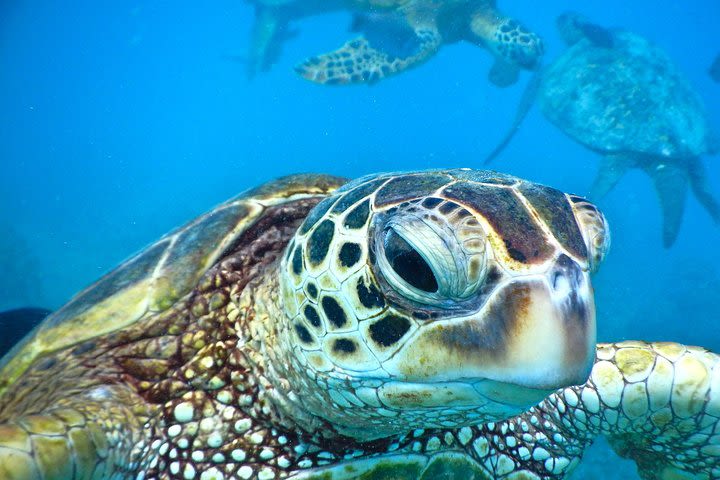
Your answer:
<point x="561" y="284"/>
<point x="565" y="276"/>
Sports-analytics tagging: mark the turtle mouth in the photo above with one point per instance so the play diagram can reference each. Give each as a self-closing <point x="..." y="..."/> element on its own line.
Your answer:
<point x="485" y="394"/>
<point x="548" y="327"/>
<point x="535" y="332"/>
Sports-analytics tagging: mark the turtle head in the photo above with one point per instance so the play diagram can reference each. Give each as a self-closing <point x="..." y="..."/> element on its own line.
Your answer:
<point x="440" y="298"/>
<point x="512" y="43"/>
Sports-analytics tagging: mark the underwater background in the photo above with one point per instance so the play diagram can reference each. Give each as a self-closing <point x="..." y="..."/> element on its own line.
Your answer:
<point x="122" y="120"/>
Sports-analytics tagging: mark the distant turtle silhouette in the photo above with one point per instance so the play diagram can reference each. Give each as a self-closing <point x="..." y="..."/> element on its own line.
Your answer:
<point x="395" y="35"/>
<point x="715" y="69"/>
<point x="621" y="96"/>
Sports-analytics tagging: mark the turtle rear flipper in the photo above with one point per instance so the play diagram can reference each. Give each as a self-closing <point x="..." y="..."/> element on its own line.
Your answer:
<point x="671" y="184"/>
<point x="526" y="102"/>
<point x="670" y="179"/>
<point x="268" y="34"/>
<point x="701" y="188"/>
<point x="612" y="168"/>
<point x="386" y="49"/>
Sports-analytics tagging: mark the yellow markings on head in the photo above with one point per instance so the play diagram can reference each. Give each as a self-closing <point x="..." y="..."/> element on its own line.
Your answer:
<point x="318" y="361"/>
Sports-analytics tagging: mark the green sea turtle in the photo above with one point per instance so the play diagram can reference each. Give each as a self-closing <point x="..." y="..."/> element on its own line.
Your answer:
<point x="623" y="97"/>
<point x="402" y="326"/>
<point x="396" y="35"/>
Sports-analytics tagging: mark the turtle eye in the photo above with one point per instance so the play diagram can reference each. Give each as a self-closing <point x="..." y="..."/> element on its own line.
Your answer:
<point x="423" y="261"/>
<point x="408" y="264"/>
<point x="594" y="228"/>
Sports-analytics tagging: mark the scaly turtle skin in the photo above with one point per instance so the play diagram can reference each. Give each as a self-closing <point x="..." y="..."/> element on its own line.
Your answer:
<point x="401" y="326"/>
<point x="396" y="35"/>
<point x="623" y="97"/>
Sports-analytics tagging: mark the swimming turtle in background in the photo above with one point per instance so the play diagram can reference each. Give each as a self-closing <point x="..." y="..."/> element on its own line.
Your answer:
<point x="621" y="96"/>
<point x="395" y="35"/>
<point x="405" y="325"/>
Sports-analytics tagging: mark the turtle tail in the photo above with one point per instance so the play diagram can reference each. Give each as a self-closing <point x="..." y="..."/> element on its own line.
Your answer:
<point x="701" y="188"/>
<point x="526" y="102"/>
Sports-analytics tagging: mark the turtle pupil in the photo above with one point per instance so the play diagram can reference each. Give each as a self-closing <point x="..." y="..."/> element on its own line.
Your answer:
<point x="408" y="263"/>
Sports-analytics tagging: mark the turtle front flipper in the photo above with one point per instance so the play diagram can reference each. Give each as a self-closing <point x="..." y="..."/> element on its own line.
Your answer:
<point x="658" y="404"/>
<point x="513" y="45"/>
<point x="95" y="436"/>
<point x="389" y="45"/>
<point x="612" y="168"/>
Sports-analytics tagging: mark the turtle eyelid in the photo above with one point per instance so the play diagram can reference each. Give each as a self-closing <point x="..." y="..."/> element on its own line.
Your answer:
<point x="408" y="263"/>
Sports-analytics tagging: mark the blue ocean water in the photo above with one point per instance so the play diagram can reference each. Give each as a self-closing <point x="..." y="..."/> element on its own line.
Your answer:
<point x="120" y="121"/>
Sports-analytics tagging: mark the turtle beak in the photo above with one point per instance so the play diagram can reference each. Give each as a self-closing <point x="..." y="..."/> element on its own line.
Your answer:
<point x="535" y="334"/>
<point x="551" y="340"/>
